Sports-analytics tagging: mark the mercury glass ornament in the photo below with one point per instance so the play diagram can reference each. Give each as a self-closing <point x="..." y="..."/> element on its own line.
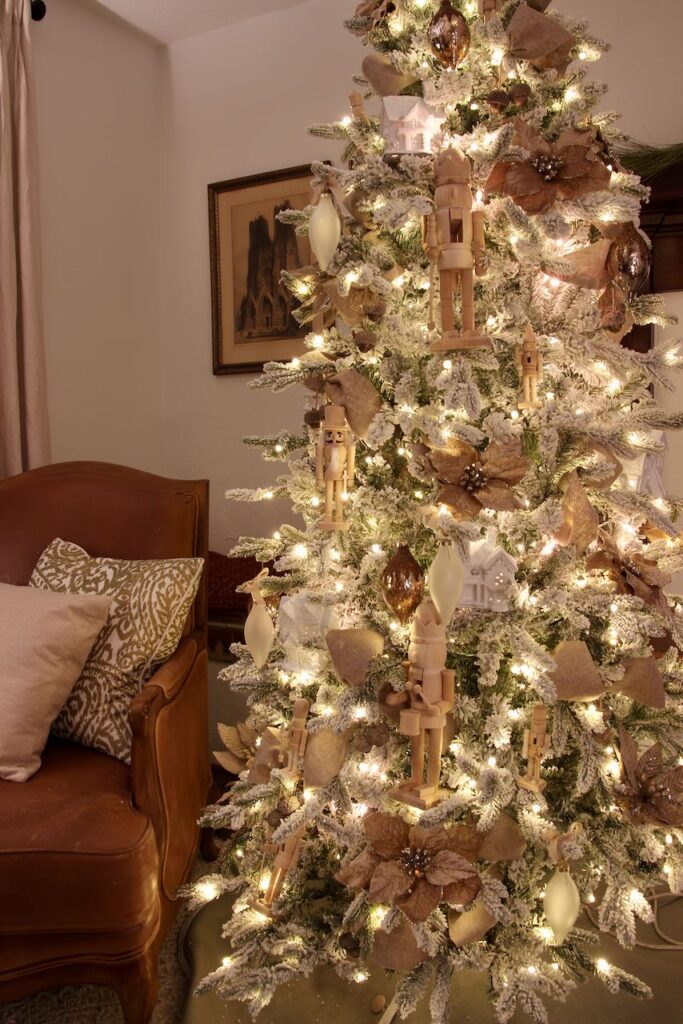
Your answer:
<point x="402" y="583"/>
<point x="324" y="231"/>
<point x="446" y="578"/>
<point x="628" y="261"/>
<point x="562" y="904"/>
<point x="449" y="35"/>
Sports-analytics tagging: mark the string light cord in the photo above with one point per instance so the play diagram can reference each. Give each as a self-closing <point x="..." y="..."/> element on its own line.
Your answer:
<point x="669" y="942"/>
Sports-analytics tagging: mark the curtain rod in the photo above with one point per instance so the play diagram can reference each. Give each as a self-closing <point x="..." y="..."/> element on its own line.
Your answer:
<point x="38" y="10"/>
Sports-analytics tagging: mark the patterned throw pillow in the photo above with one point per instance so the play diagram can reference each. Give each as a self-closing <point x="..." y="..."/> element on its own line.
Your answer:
<point x="151" y="601"/>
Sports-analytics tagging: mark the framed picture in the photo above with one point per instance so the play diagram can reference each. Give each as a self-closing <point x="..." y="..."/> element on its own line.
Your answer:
<point x="251" y="310"/>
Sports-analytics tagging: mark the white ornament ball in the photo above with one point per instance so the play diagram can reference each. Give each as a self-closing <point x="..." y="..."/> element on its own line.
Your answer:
<point x="259" y="633"/>
<point x="324" y="231"/>
<point x="562" y="904"/>
<point x="446" y="579"/>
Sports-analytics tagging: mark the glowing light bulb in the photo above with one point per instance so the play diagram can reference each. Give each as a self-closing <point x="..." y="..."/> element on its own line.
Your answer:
<point x="491" y="762"/>
<point x="315" y="501"/>
<point x="317" y="341"/>
<point x="376" y="549"/>
<point x="279" y="448"/>
<point x="300" y="551"/>
<point x="207" y="891"/>
<point x="447" y="364"/>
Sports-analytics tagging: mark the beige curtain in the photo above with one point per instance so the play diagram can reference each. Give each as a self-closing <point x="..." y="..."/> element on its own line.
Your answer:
<point x="24" y="433"/>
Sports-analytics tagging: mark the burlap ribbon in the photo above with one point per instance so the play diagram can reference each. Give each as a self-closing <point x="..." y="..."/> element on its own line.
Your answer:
<point x="358" y="395"/>
<point x="580" y="527"/>
<point x="577" y="678"/>
<point x="540" y="40"/>
<point x="331" y="185"/>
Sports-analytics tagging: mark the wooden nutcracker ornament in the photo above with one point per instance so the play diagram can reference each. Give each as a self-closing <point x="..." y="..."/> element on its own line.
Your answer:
<point x="456" y="245"/>
<point x="288" y="853"/>
<point x="536" y="747"/>
<point x="335" y="466"/>
<point x="358" y="110"/>
<point x="430" y="694"/>
<point x="530" y="368"/>
<point x="488" y="9"/>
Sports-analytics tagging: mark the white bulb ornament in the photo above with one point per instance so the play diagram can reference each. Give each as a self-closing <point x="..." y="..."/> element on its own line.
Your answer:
<point x="446" y="578"/>
<point x="259" y="631"/>
<point x="324" y="230"/>
<point x="561" y="904"/>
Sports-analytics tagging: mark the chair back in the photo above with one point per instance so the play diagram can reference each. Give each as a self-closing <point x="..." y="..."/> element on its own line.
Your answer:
<point x="110" y="511"/>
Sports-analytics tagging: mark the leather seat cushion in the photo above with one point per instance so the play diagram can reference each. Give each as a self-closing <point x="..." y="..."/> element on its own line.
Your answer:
<point x="74" y="854"/>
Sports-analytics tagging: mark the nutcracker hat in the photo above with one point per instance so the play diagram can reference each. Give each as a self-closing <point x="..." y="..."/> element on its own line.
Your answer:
<point x="335" y="417"/>
<point x="452" y="167"/>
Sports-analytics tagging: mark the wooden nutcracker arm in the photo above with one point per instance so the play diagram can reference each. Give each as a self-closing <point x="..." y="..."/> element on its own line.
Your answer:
<point x="320" y="462"/>
<point x="350" y="465"/>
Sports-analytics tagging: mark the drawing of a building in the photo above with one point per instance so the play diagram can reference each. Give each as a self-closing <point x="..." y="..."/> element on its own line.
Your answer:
<point x="266" y="309"/>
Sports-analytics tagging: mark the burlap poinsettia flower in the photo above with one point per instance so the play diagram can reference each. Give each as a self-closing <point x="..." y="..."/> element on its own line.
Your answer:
<point x="472" y="480"/>
<point x="568" y="168"/>
<point x="415" y="869"/>
<point x="632" y="573"/>
<point x="652" y="794"/>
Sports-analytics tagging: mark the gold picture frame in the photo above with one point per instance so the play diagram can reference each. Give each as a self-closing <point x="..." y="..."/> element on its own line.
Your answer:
<point x="251" y="310"/>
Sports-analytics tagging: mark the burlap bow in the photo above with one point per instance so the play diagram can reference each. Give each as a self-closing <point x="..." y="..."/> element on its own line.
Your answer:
<point x="540" y="40"/>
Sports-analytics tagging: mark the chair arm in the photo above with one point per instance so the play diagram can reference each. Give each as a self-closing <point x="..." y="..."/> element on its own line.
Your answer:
<point x="170" y="758"/>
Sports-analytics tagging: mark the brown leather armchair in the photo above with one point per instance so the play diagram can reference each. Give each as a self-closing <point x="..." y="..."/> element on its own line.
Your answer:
<point x="92" y="851"/>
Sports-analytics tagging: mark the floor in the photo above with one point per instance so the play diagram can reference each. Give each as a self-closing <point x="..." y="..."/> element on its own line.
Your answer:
<point x="324" y="998"/>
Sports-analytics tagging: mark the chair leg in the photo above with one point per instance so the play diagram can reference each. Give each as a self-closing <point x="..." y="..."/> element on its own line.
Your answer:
<point x="137" y="989"/>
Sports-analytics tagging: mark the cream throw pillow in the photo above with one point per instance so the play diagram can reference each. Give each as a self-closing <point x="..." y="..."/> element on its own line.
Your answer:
<point x="150" y="603"/>
<point x="45" y="640"/>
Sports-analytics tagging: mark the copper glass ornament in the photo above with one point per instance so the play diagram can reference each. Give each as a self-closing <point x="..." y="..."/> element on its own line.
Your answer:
<point x="449" y="35"/>
<point x="628" y="262"/>
<point x="402" y="583"/>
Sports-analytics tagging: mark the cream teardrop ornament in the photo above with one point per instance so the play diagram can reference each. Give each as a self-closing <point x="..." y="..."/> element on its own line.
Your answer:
<point x="259" y="633"/>
<point x="562" y="904"/>
<point x="324" y="230"/>
<point x="446" y="578"/>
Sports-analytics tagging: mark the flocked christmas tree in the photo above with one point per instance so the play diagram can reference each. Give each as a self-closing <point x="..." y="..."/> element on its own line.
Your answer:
<point x="467" y="722"/>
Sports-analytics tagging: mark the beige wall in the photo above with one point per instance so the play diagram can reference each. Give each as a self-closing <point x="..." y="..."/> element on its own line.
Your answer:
<point x="129" y="338"/>
<point x="99" y="107"/>
<point x="238" y="101"/>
